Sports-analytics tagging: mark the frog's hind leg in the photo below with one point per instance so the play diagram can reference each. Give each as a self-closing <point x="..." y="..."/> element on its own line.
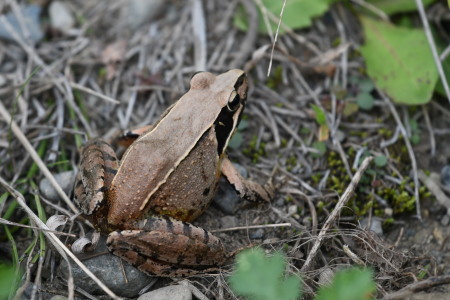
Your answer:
<point x="96" y="171"/>
<point x="167" y="247"/>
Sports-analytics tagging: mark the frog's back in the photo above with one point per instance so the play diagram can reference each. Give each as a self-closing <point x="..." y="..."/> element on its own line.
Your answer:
<point x="152" y="158"/>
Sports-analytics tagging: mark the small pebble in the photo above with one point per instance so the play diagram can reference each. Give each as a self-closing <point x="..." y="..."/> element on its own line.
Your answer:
<point x="58" y="297"/>
<point x="340" y="136"/>
<point x="375" y="225"/>
<point x="60" y="16"/>
<point x="292" y="210"/>
<point x="257" y="234"/>
<point x="228" y="221"/>
<point x="445" y="220"/>
<point x="279" y="202"/>
<point x="326" y="277"/>
<point x="31" y="19"/>
<point x="138" y="12"/>
<point x="2" y="80"/>
<point x="172" y="292"/>
<point x="226" y="197"/>
<point x="445" y="176"/>
<point x="65" y="180"/>
<point x="107" y="268"/>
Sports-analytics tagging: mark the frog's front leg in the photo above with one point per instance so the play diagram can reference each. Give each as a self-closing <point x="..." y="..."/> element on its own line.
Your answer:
<point x="166" y="247"/>
<point x="247" y="189"/>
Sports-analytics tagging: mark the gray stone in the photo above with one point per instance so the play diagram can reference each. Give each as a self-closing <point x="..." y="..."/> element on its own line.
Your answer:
<point x="326" y="277"/>
<point x="172" y="292"/>
<point x="445" y="176"/>
<point x="226" y="197"/>
<point x="58" y="297"/>
<point x="138" y="12"/>
<point x="108" y="268"/>
<point x="2" y="80"/>
<point x="257" y="234"/>
<point x="32" y="23"/>
<point x="65" y="180"/>
<point x="60" y="16"/>
<point x="228" y="221"/>
<point x="375" y="225"/>
<point x="445" y="220"/>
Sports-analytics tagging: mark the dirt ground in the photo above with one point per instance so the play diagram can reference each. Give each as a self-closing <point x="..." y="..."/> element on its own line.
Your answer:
<point x="108" y="72"/>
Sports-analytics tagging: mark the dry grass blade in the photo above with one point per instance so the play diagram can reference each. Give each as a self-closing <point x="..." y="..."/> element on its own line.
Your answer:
<point x="252" y="227"/>
<point x="275" y="38"/>
<point x="198" y="23"/>
<point x="407" y="291"/>
<point x="336" y="211"/>
<point x="409" y="147"/>
<point x="60" y="247"/>
<point x="23" y="139"/>
<point x="431" y="183"/>
<point x="437" y="61"/>
<point x="94" y="93"/>
<point x="3" y="221"/>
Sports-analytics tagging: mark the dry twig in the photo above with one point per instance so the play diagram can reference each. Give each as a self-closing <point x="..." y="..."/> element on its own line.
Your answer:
<point x="409" y="290"/>
<point x="335" y="213"/>
<point x="23" y="139"/>
<point x="60" y="247"/>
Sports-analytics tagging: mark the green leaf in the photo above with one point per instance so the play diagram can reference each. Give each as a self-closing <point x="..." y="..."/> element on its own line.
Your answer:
<point x="380" y="161"/>
<point x="399" y="61"/>
<point x="391" y="7"/>
<point x="260" y="277"/>
<point x="366" y="85"/>
<point x="8" y="277"/>
<point x="365" y="101"/>
<point x="321" y="118"/>
<point x="349" y="109"/>
<point x="321" y="147"/>
<point x="350" y="284"/>
<point x="415" y="138"/>
<point x="297" y="14"/>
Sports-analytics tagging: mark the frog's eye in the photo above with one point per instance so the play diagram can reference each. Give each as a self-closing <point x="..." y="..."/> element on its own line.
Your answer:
<point x="234" y="101"/>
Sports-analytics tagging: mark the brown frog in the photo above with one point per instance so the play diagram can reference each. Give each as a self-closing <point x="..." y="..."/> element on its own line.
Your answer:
<point x="166" y="178"/>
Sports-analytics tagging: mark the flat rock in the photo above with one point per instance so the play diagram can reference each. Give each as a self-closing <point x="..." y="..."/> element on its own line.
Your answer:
<point x="31" y="20"/>
<point x="108" y="268"/>
<point x="172" y="292"/>
<point x="65" y="180"/>
<point x="138" y="12"/>
<point x="60" y="16"/>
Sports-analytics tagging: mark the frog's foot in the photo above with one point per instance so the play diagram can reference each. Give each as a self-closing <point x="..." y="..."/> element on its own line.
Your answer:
<point x="247" y="189"/>
<point x="166" y="247"/>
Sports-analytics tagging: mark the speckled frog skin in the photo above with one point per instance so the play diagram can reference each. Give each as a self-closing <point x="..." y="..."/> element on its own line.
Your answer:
<point x="166" y="178"/>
